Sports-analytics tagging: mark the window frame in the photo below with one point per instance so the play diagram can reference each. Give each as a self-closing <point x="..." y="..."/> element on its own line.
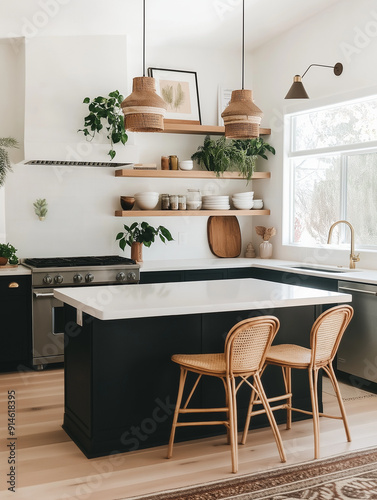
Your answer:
<point x="344" y="152"/>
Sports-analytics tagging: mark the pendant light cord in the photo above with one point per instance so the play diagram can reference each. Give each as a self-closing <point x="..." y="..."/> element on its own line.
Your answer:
<point x="243" y="44"/>
<point x="143" y="37"/>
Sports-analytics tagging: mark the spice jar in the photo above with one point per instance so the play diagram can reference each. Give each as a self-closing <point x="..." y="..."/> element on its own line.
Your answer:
<point x="165" y="202"/>
<point x="193" y="199"/>
<point x="181" y="202"/>
<point x="173" y="159"/>
<point x="165" y="163"/>
<point x="173" y="201"/>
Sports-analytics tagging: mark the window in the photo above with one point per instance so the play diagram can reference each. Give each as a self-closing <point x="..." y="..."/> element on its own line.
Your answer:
<point x="332" y="160"/>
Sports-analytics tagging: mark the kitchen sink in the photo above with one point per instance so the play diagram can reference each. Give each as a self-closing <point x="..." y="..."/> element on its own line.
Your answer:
<point x="324" y="268"/>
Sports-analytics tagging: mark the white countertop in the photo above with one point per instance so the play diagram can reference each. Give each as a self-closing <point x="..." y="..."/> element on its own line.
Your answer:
<point x="343" y="273"/>
<point x="14" y="271"/>
<point x="194" y="297"/>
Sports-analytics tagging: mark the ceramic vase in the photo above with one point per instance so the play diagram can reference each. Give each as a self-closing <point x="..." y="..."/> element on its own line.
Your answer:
<point x="265" y="250"/>
<point x="137" y="251"/>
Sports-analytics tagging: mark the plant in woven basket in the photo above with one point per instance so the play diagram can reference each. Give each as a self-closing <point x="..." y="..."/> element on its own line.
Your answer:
<point x="107" y="109"/>
<point x="5" y="164"/>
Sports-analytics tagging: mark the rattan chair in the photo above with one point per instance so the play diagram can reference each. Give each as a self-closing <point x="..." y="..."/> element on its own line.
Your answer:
<point x="246" y="346"/>
<point x="325" y="337"/>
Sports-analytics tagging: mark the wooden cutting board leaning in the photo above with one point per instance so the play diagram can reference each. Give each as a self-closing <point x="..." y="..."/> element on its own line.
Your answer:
<point x="224" y="235"/>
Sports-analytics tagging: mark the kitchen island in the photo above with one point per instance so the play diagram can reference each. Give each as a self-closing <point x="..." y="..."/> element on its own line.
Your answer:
<point x="120" y="384"/>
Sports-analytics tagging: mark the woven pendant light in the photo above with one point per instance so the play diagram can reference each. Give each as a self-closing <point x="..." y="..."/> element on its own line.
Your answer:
<point x="144" y="110"/>
<point x="242" y="117"/>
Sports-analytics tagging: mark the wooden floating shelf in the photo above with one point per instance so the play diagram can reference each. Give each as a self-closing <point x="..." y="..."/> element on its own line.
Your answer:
<point x="184" y="213"/>
<point x="190" y="174"/>
<point x="185" y="128"/>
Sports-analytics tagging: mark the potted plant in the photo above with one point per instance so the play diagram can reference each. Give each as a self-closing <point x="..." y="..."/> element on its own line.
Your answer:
<point x="8" y="254"/>
<point x="5" y="165"/>
<point x="221" y="155"/>
<point x="107" y="109"/>
<point x="139" y="234"/>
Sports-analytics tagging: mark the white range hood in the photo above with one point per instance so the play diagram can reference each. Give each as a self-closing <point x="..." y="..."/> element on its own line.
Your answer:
<point x="59" y="73"/>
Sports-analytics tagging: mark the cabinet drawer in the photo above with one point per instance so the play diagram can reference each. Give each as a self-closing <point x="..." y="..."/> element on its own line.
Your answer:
<point x="15" y="286"/>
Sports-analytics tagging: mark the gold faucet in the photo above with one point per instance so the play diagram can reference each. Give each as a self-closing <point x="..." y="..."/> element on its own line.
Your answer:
<point x="353" y="258"/>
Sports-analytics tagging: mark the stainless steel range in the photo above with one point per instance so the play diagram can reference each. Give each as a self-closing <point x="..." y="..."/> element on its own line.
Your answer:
<point x="49" y="273"/>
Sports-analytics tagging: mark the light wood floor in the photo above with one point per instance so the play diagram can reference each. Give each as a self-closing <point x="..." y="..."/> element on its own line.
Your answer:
<point x="50" y="466"/>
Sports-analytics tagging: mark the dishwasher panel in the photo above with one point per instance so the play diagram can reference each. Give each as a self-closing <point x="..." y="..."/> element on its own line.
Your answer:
<point x="357" y="353"/>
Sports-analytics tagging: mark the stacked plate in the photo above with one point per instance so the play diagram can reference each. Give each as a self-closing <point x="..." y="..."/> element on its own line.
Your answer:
<point x="243" y="201"/>
<point x="215" y="202"/>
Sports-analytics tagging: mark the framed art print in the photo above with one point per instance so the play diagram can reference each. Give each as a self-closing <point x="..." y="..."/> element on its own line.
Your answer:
<point x="179" y="89"/>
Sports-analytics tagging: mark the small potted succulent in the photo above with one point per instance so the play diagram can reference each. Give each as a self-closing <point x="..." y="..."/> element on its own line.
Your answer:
<point x="8" y="254"/>
<point x="139" y="234"/>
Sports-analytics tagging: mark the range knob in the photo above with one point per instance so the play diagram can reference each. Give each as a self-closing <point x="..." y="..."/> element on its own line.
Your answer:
<point x="77" y="278"/>
<point x="131" y="277"/>
<point x="121" y="277"/>
<point x="47" y="279"/>
<point x="89" y="278"/>
<point x="58" y="278"/>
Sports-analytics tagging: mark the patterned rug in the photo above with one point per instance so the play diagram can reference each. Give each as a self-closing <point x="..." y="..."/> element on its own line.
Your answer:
<point x="350" y="476"/>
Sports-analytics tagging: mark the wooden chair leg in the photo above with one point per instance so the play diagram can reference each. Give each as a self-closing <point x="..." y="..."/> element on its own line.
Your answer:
<point x="231" y="398"/>
<point x="248" y="416"/>
<point x="270" y="416"/>
<point x="287" y="374"/>
<point x="313" y="383"/>
<point x="182" y="380"/>
<point x="332" y="376"/>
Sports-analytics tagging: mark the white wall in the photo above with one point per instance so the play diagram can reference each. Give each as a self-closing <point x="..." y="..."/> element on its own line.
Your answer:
<point x="82" y="201"/>
<point x="346" y="32"/>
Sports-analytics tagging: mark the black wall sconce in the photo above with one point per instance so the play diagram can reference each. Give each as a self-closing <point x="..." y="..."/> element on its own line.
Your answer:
<point x="297" y="90"/>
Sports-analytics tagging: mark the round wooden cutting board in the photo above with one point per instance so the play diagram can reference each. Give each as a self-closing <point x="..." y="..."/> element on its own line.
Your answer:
<point x="224" y="235"/>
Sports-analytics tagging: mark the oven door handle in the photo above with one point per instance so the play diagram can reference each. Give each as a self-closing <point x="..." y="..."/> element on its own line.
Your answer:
<point x="49" y="294"/>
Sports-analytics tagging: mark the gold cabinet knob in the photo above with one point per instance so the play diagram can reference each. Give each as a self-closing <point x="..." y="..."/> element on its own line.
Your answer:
<point x="13" y="284"/>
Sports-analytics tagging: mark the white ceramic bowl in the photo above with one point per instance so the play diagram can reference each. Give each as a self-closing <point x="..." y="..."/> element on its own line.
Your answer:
<point x="147" y="193"/>
<point x="146" y="204"/>
<point x="186" y="165"/>
<point x="147" y="200"/>
<point x="249" y="194"/>
<point x="258" y="204"/>
<point x="243" y="205"/>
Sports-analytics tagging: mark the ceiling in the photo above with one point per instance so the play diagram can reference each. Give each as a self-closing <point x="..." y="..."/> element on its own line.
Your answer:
<point x="219" y="22"/>
<point x="215" y="23"/>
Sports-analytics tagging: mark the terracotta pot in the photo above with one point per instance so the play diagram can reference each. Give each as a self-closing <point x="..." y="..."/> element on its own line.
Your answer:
<point x="3" y="261"/>
<point x="137" y="251"/>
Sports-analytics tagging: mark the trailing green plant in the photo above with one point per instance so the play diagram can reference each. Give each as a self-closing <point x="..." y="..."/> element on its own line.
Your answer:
<point x="109" y="110"/>
<point x="9" y="252"/>
<point x="142" y="233"/>
<point x="40" y="208"/>
<point x="221" y="155"/>
<point x="5" y="164"/>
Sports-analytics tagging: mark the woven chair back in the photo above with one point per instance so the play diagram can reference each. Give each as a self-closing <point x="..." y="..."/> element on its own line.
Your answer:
<point x="327" y="332"/>
<point x="247" y="344"/>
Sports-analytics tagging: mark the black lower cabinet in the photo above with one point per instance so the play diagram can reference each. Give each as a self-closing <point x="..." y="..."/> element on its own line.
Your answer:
<point x="15" y="334"/>
<point x="162" y="277"/>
